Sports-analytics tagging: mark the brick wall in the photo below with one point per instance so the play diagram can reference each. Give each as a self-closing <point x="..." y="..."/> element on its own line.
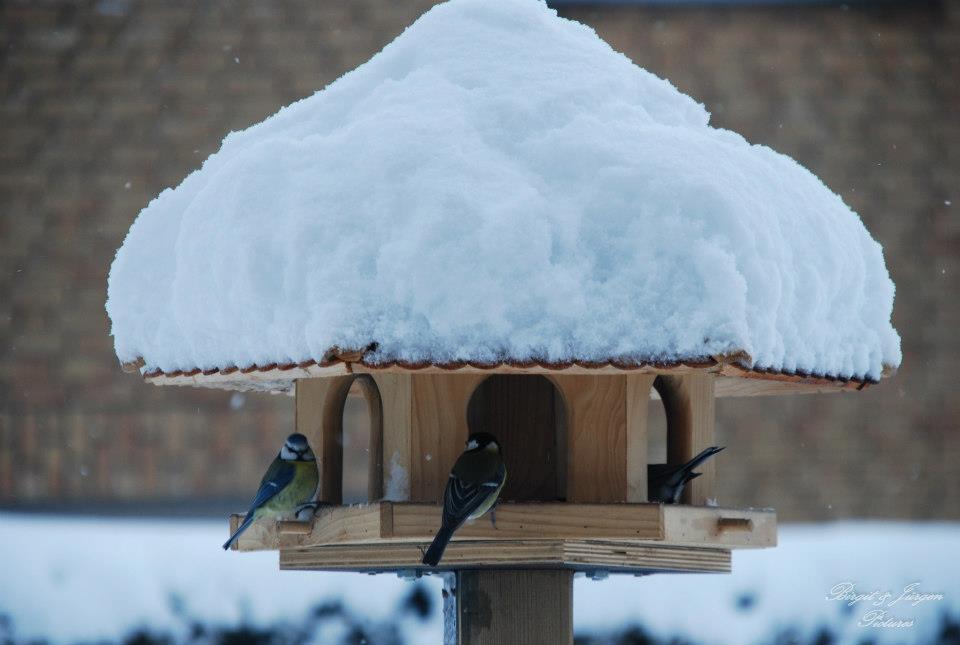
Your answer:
<point x="103" y="104"/>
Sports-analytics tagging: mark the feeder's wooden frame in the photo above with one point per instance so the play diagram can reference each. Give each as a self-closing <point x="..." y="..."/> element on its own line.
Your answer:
<point x="627" y="538"/>
<point x="419" y="425"/>
<point x="424" y="425"/>
<point x="383" y="523"/>
<point x="588" y="556"/>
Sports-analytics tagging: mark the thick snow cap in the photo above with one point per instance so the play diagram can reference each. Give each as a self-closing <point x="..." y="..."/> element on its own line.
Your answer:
<point x="499" y="184"/>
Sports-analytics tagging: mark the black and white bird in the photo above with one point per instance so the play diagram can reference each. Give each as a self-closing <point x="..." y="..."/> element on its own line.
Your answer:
<point x="665" y="482"/>
<point x="474" y="486"/>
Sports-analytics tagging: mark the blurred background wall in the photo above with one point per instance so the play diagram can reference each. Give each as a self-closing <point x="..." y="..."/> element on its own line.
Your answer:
<point x="105" y="103"/>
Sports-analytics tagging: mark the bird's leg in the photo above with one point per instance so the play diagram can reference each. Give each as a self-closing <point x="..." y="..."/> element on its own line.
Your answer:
<point x="493" y="516"/>
<point x="305" y="512"/>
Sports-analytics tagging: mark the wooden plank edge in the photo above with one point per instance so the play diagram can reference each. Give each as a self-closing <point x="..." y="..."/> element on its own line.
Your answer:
<point x="826" y="383"/>
<point x="612" y="557"/>
<point x="735" y="528"/>
<point x="231" y="379"/>
<point x="383" y="523"/>
<point x="537" y="520"/>
<point x="732" y="381"/>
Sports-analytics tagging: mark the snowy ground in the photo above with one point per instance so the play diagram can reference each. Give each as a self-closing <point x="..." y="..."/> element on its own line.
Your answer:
<point x="106" y="576"/>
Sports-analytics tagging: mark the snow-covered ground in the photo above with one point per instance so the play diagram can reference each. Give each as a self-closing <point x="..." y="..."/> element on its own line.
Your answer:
<point x="797" y="584"/>
<point x="71" y="578"/>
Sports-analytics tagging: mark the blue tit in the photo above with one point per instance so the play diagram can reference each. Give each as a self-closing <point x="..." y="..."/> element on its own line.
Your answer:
<point x="474" y="486"/>
<point x="289" y="483"/>
<point x="665" y="482"/>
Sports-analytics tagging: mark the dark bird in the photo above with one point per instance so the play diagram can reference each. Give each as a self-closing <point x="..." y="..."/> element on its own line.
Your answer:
<point x="473" y="488"/>
<point x="665" y="482"/>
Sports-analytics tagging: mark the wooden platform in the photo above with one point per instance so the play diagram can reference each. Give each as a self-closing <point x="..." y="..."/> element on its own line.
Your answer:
<point x="578" y="555"/>
<point x="636" y="538"/>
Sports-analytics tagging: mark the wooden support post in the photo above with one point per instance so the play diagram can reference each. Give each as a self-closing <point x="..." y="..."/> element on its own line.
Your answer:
<point x="638" y="399"/>
<point x="689" y="404"/>
<point x="397" y="424"/>
<point x="514" y="607"/>
<point x="319" y="417"/>
<point x="438" y="413"/>
<point x="596" y="437"/>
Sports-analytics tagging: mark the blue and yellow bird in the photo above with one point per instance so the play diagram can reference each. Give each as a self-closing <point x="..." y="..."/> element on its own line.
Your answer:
<point x="289" y="483"/>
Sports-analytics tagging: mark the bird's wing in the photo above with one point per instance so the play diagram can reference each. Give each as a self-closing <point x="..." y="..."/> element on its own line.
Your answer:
<point x="462" y="499"/>
<point x="471" y="483"/>
<point x="278" y="475"/>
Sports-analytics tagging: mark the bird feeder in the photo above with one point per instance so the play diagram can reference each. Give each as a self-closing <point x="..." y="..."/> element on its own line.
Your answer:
<point x="498" y="224"/>
<point x="575" y="441"/>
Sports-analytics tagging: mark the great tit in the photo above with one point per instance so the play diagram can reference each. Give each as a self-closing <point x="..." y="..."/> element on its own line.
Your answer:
<point x="475" y="483"/>
<point x="289" y="483"/>
<point x="665" y="482"/>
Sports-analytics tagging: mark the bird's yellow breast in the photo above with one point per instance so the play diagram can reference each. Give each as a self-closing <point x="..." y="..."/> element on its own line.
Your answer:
<point x="297" y="492"/>
<point x="489" y="502"/>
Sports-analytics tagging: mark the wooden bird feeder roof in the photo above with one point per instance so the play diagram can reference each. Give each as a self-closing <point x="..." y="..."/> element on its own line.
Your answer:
<point x="733" y="378"/>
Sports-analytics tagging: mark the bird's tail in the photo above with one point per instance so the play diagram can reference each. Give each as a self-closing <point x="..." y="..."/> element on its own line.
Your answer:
<point x="699" y="459"/>
<point x="247" y="521"/>
<point x="438" y="546"/>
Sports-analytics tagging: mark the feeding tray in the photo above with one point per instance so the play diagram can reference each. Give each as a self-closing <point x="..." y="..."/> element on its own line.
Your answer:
<point x="623" y="538"/>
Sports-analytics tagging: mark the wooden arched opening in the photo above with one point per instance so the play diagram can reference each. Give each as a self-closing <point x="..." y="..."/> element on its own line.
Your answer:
<point x="526" y="414"/>
<point x="688" y="403"/>
<point x="656" y="428"/>
<point x="320" y="417"/>
<point x="577" y="438"/>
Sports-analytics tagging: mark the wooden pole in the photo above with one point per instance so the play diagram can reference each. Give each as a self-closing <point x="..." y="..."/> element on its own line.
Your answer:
<point x="638" y="400"/>
<point x="506" y="607"/>
<point x="596" y="416"/>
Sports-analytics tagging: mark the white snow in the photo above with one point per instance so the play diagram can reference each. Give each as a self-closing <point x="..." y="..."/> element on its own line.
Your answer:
<point x="397" y="488"/>
<point x="107" y="576"/>
<point x="792" y="585"/>
<point x="498" y="183"/>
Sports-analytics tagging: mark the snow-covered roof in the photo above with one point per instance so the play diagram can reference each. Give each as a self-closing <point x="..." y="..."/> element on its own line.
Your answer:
<point x="498" y="186"/>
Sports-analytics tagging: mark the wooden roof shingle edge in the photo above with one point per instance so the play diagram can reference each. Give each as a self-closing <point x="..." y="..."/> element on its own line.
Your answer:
<point x="279" y="377"/>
